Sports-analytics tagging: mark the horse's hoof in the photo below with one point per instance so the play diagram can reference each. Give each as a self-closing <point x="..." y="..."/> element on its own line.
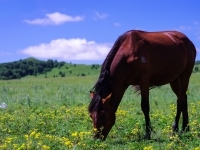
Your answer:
<point x="174" y="128"/>
<point x="147" y="137"/>
<point x="186" y="129"/>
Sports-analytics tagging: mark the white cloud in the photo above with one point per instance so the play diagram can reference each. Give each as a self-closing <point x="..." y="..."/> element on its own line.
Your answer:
<point x="4" y="53"/>
<point x="185" y="27"/>
<point x="54" y="19"/>
<point x="196" y="23"/>
<point x="69" y="49"/>
<point x="198" y="49"/>
<point x="194" y="28"/>
<point x="100" y="15"/>
<point x="197" y="31"/>
<point x="117" y="24"/>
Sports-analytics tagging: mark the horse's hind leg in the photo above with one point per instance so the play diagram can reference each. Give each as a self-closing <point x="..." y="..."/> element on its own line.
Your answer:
<point x="184" y="86"/>
<point x="179" y="87"/>
<point x="175" y="87"/>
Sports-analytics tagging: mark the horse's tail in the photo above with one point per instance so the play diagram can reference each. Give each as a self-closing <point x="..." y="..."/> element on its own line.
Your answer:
<point x="102" y="86"/>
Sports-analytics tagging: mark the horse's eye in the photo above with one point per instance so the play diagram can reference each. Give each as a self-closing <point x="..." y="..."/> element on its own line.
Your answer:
<point x="103" y="115"/>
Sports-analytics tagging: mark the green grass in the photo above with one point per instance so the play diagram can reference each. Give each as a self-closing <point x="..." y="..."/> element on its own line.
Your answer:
<point x="51" y="113"/>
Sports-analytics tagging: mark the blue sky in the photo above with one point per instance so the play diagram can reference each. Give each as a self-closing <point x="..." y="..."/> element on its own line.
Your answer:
<point x="83" y="31"/>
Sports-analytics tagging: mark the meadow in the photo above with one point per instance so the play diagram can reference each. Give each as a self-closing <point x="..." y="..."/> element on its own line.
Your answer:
<point x="51" y="113"/>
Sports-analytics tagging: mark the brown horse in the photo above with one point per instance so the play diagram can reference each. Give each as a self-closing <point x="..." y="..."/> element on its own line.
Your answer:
<point x="145" y="60"/>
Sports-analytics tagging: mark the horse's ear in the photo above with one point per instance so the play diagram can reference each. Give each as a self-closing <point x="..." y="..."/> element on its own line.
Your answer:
<point x="91" y="94"/>
<point x="106" y="100"/>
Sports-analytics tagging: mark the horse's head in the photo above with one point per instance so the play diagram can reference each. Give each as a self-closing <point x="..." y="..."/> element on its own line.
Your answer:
<point x="103" y="118"/>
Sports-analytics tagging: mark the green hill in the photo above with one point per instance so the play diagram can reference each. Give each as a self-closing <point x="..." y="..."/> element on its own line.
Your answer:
<point x="69" y="69"/>
<point x="32" y="67"/>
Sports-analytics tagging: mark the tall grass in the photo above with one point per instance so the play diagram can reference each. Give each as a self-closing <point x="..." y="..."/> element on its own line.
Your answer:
<point x="51" y="113"/>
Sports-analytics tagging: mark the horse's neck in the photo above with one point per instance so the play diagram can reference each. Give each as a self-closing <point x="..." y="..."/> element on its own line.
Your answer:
<point x="117" y="97"/>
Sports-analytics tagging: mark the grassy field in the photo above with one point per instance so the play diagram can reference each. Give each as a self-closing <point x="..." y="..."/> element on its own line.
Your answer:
<point x="51" y="113"/>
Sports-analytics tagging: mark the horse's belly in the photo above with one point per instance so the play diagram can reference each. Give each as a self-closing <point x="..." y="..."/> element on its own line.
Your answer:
<point x="166" y="71"/>
<point x="164" y="77"/>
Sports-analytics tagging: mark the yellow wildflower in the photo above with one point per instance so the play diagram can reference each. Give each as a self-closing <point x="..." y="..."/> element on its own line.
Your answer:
<point x="197" y="148"/>
<point x="148" y="148"/>
<point x="26" y="136"/>
<point x="45" y="147"/>
<point x="37" y="135"/>
<point x="32" y="133"/>
<point x="75" y="134"/>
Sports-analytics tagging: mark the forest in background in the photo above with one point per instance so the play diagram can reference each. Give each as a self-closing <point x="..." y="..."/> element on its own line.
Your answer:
<point x="34" y="67"/>
<point x="29" y="66"/>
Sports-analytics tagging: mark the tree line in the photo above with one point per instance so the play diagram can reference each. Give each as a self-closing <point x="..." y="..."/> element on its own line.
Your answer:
<point x="197" y="62"/>
<point x="30" y="66"/>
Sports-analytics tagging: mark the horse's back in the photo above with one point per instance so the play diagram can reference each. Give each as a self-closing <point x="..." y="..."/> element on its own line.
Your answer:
<point x="171" y="55"/>
<point x="161" y="55"/>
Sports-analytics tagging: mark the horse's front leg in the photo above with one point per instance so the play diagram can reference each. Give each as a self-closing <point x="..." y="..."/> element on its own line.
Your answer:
<point x="145" y="109"/>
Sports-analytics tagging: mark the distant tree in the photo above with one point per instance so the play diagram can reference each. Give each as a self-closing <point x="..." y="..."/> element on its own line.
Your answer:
<point x="24" y="62"/>
<point x="197" y="62"/>
<point x="83" y="74"/>
<point x="39" y="69"/>
<point x="50" y="63"/>
<point x="35" y="71"/>
<point x="30" y="63"/>
<point x="16" y="65"/>
<point x="55" y="63"/>
<point x="22" y="66"/>
<point x="62" y="63"/>
<point x="30" y="70"/>
<point x="29" y="66"/>
<point x="45" y="75"/>
<point x="42" y="64"/>
<point x="11" y="66"/>
<point x="35" y="74"/>
<point x="9" y="72"/>
<point x="94" y="66"/>
<point x="24" y="72"/>
<point x="63" y="74"/>
<point x="196" y="68"/>
<point x="17" y="74"/>
<point x="46" y="70"/>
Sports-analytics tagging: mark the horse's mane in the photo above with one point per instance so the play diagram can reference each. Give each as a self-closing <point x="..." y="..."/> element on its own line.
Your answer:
<point x="102" y="87"/>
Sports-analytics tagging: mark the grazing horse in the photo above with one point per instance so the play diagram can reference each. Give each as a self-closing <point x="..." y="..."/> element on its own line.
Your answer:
<point x="146" y="60"/>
